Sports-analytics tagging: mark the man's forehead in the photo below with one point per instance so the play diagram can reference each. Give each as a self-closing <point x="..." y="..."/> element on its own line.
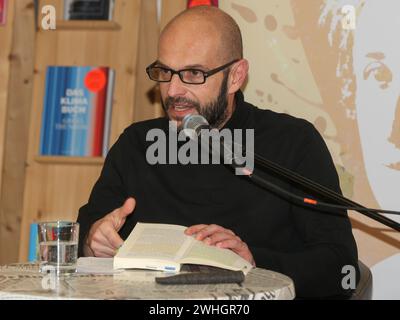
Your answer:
<point x="188" y="38"/>
<point x="191" y="32"/>
<point x="185" y="53"/>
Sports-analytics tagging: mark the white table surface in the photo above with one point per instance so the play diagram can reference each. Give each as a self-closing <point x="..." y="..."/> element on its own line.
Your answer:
<point x="23" y="281"/>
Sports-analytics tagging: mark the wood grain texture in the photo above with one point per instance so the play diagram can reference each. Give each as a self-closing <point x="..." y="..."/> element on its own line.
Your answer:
<point x="56" y="190"/>
<point x="147" y="93"/>
<point x="170" y="8"/>
<point x="6" y="33"/>
<point x="20" y="58"/>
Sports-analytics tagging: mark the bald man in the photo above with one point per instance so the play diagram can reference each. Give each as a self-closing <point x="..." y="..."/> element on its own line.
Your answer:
<point x="200" y="70"/>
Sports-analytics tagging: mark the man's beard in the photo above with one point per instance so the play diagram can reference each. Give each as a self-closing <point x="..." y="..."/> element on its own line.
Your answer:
<point x="215" y="112"/>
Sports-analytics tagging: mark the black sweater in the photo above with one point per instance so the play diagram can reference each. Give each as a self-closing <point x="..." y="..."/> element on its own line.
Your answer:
<point x="309" y="246"/>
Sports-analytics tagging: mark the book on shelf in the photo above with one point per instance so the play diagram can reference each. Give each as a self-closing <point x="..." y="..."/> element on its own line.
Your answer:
<point x="76" y="115"/>
<point x="88" y="9"/>
<point x="195" y="3"/>
<point x="165" y="247"/>
<point x="3" y="12"/>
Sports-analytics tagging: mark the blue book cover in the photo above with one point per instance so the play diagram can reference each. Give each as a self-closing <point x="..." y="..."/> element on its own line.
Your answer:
<point x="76" y="111"/>
<point x="33" y="254"/>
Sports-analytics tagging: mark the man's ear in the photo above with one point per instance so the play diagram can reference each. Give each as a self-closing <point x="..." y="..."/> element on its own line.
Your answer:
<point x="238" y="75"/>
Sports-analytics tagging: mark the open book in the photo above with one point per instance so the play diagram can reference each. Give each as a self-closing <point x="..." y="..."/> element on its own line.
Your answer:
<point x="165" y="247"/>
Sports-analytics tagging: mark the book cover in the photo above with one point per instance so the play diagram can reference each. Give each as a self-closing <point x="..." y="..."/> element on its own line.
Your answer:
<point x="77" y="111"/>
<point x="194" y="3"/>
<point x="88" y="9"/>
<point x="3" y="12"/>
<point x="33" y="253"/>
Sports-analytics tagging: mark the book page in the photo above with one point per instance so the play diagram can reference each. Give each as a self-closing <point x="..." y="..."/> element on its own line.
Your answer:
<point x="155" y="241"/>
<point x="201" y="253"/>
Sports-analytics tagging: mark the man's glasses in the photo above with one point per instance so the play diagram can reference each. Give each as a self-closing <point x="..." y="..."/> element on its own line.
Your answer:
<point x="190" y="76"/>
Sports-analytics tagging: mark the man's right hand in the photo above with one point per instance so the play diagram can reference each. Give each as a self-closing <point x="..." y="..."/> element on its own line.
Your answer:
<point x="103" y="239"/>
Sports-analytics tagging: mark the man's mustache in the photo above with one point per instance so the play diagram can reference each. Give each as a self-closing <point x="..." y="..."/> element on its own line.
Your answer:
<point x="171" y="101"/>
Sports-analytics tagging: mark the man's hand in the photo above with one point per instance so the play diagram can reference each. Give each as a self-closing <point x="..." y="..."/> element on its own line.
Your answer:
<point x="222" y="238"/>
<point x="103" y="239"/>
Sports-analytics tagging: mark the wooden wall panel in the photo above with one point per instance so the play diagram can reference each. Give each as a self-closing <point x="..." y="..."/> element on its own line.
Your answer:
<point x="20" y="59"/>
<point x="147" y="102"/>
<point x="6" y="33"/>
<point x="170" y="8"/>
<point x="56" y="190"/>
<point x="147" y="93"/>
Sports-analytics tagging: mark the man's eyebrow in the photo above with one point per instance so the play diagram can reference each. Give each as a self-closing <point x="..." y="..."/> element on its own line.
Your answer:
<point x="376" y="55"/>
<point x="190" y="66"/>
<point x="160" y="64"/>
<point x="196" y="66"/>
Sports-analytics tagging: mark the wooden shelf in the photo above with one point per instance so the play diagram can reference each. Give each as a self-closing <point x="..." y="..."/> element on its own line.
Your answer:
<point x="70" y="160"/>
<point x="57" y="185"/>
<point x="88" y="25"/>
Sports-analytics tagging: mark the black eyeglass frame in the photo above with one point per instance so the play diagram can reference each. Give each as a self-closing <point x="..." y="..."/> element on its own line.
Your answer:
<point x="206" y="74"/>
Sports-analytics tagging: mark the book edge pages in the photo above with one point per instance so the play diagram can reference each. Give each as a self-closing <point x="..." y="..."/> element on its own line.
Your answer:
<point x="67" y="5"/>
<point x="111" y="10"/>
<point x="240" y="264"/>
<point x="122" y="261"/>
<point x="146" y="263"/>
<point x="108" y="111"/>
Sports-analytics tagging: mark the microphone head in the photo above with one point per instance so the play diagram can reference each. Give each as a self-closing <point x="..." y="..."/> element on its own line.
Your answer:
<point x="194" y="122"/>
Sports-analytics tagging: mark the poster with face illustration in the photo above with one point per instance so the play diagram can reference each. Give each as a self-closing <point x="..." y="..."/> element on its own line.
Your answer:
<point x="336" y="63"/>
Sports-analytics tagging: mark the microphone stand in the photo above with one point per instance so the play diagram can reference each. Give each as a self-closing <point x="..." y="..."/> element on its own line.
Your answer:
<point x="198" y="122"/>
<point x="313" y="187"/>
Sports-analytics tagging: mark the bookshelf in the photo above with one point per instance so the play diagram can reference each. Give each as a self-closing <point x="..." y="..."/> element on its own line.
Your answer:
<point x="56" y="187"/>
<point x="80" y="25"/>
<point x="70" y="160"/>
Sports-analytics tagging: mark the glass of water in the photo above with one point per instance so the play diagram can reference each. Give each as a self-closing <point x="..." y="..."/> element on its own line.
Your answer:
<point x="58" y="241"/>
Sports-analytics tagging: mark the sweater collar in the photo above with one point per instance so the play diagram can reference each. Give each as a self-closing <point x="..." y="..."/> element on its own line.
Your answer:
<point x="240" y="115"/>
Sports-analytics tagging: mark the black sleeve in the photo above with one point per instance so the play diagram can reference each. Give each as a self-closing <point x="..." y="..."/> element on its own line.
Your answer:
<point x="327" y="236"/>
<point x="108" y="193"/>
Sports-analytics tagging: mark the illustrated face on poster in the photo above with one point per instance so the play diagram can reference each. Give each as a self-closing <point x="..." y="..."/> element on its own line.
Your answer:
<point x="376" y="63"/>
<point x="346" y="82"/>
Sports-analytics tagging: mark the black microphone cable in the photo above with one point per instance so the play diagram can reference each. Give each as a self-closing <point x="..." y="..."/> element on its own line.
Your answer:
<point x="197" y="122"/>
<point x="311" y="201"/>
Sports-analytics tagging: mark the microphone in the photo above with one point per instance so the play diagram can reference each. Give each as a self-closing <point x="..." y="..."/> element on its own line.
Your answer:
<point x="193" y="125"/>
<point x="195" y="122"/>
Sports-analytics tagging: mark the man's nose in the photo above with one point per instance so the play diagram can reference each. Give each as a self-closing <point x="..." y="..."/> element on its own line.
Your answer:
<point x="395" y="135"/>
<point x="176" y="86"/>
